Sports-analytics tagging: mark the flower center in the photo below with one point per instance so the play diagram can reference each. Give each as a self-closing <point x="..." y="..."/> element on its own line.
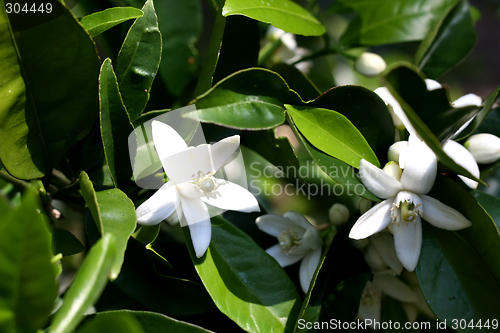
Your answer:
<point x="207" y="184"/>
<point x="407" y="213"/>
<point x="289" y="241"/>
<point x="407" y="207"/>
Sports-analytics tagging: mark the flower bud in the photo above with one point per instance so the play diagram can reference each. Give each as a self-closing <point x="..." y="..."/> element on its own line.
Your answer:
<point x="338" y="214"/>
<point x="395" y="150"/>
<point x="370" y="64"/>
<point x="392" y="169"/>
<point x="373" y="259"/>
<point x="484" y="147"/>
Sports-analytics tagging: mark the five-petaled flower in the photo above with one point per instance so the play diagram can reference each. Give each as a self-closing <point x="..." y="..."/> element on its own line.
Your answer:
<point x="297" y="240"/>
<point x="406" y="203"/>
<point x="192" y="183"/>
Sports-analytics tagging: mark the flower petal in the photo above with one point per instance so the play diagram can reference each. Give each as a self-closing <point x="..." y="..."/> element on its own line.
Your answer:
<point x="282" y="258"/>
<point x="310" y="241"/>
<point x="273" y="224"/>
<point x="467" y="100"/>
<point x="442" y="216"/>
<point x="432" y="84"/>
<point x="463" y="158"/>
<point x="408" y="242"/>
<point x="398" y="116"/>
<point x="308" y="267"/>
<point x="384" y="244"/>
<point x="420" y="169"/>
<point x="298" y="219"/>
<point x="167" y="141"/>
<point x="373" y="221"/>
<point x="370" y="307"/>
<point x="394" y="287"/>
<point x="159" y="206"/>
<point x="233" y="197"/>
<point x="201" y="234"/>
<point x="188" y="164"/>
<point x="377" y="181"/>
<point x="194" y="211"/>
<point x="221" y="151"/>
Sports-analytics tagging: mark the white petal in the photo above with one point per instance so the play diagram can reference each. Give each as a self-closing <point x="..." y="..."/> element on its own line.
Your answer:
<point x="159" y="206"/>
<point x="194" y="211"/>
<point x="464" y="126"/>
<point x="405" y="153"/>
<point x="308" y="267"/>
<point x="384" y="244"/>
<point x="282" y="258"/>
<point x="442" y="216"/>
<point x="463" y="158"/>
<point x="373" y="221"/>
<point x="167" y="141"/>
<point x="377" y="181"/>
<point x="234" y="197"/>
<point x="273" y="224"/>
<point x="420" y="169"/>
<point x="432" y="84"/>
<point x="394" y="287"/>
<point x="408" y="242"/>
<point x="398" y="116"/>
<point x="395" y="151"/>
<point x="370" y="307"/>
<point x="201" y="233"/>
<point x="467" y="100"/>
<point x="190" y="190"/>
<point x="298" y="219"/>
<point x="311" y="240"/>
<point x="188" y="164"/>
<point x="221" y="151"/>
<point x="411" y="311"/>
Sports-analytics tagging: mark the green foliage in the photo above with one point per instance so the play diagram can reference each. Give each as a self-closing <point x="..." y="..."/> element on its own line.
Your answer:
<point x="97" y="23"/>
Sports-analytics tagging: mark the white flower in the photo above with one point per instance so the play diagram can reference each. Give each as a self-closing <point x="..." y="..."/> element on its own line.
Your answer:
<point x="484" y="147"/>
<point x="290" y="52"/>
<point x="192" y="183"/>
<point x="369" y="64"/>
<point x="453" y="149"/>
<point x="405" y="204"/>
<point x="298" y="240"/>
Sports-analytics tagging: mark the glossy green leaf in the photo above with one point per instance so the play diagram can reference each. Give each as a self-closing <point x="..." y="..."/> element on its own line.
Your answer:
<point x="27" y="281"/>
<point x="138" y="61"/>
<point x="114" y="213"/>
<point x="429" y="112"/>
<point x="367" y="112"/>
<point x="248" y="99"/>
<point x="112" y="322"/>
<point x="97" y="23"/>
<point x="490" y="203"/>
<point x="208" y="69"/>
<point x="483" y="236"/>
<point x="332" y="133"/>
<point x="297" y="81"/>
<point x="252" y="290"/>
<point x="115" y="126"/>
<point x="87" y="286"/>
<point x="152" y="322"/>
<point x="480" y="117"/>
<point x="180" y="23"/>
<point x="283" y="14"/>
<point x="448" y="42"/>
<point x="65" y="242"/>
<point x="36" y="129"/>
<point x="147" y="233"/>
<point x="454" y="279"/>
<point x="392" y="21"/>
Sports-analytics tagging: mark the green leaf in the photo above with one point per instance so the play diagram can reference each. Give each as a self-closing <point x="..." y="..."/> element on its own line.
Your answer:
<point x="151" y="322"/>
<point x="454" y="279"/>
<point x="391" y="21"/>
<point x="114" y="213"/>
<point x="138" y="61"/>
<point x="332" y="133"/>
<point x="115" y="321"/>
<point x="65" y="242"/>
<point x="448" y="42"/>
<point x="115" y="125"/>
<point x="97" y="23"/>
<point x="39" y="85"/>
<point x="180" y="23"/>
<point x="249" y="99"/>
<point x="488" y="103"/>
<point x="87" y="286"/>
<point x="367" y="112"/>
<point x="297" y="81"/>
<point x="490" y="203"/>
<point x="429" y="112"/>
<point x="27" y="280"/>
<point x="252" y="290"/>
<point x="283" y="14"/>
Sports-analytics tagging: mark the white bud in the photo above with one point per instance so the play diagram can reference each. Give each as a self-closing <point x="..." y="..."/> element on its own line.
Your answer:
<point x="373" y="259"/>
<point x="370" y="64"/>
<point x="338" y="214"/>
<point x="395" y="150"/>
<point x="392" y="169"/>
<point x="484" y="147"/>
<point x="364" y="205"/>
